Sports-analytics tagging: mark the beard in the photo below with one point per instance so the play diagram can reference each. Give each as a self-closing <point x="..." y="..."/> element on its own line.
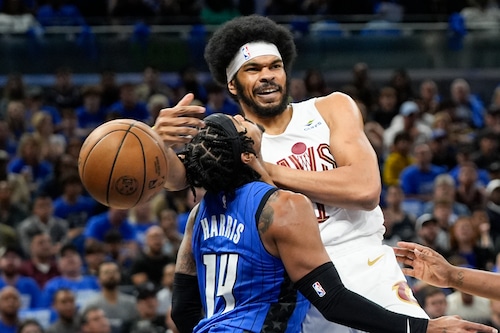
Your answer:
<point x="263" y="111"/>
<point x="110" y="284"/>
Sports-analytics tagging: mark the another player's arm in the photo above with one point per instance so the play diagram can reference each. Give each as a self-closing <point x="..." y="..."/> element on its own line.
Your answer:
<point x="186" y="299"/>
<point x="355" y="183"/>
<point x="429" y="266"/>
<point x="177" y="125"/>
<point x="289" y="230"/>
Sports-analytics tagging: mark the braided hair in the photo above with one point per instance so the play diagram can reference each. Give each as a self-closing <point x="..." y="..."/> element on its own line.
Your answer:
<point x="226" y="41"/>
<point x="213" y="157"/>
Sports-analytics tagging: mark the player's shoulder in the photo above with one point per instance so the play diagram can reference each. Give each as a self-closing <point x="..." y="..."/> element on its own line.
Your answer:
<point x="288" y="201"/>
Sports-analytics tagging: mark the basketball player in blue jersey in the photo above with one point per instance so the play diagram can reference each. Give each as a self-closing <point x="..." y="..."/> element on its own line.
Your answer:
<point x="248" y="247"/>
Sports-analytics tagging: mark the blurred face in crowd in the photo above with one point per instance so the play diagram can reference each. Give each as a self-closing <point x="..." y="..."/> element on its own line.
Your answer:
<point x="41" y="246"/>
<point x="64" y="304"/>
<point x="109" y="275"/>
<point x="10" y="264"/>
<point x="435" y="305"/>
<point x="96" y="322"/>
<point x="43" y="208"/>
<point x="155" y="239"/>
<point x="10" y="302"/>
<point x="70" y="264"/>
<point x="168" y="275"/>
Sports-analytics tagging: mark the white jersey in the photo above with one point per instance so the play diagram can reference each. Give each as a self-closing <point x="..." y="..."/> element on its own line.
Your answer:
<point x="305" y="145"/>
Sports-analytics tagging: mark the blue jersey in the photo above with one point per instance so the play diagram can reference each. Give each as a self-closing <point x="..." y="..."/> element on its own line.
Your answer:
<point x="243" y="287"/>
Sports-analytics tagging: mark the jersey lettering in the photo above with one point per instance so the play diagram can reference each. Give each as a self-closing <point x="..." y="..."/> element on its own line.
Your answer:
<point x="220" y="280"/>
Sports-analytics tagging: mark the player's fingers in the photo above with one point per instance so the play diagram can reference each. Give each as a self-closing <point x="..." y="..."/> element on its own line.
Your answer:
<point x="403" y="252"/>
<point x="408" y="271"/>
<point x="186" y="100"/>
<point x="410" y="246"/>
<point x="475" y="327"/>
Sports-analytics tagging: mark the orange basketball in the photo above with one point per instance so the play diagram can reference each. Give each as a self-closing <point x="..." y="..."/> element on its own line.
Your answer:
<point x="122" y="163"/>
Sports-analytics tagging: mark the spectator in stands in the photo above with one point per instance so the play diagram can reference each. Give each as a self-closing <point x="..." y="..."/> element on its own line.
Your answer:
<point x="488" y="149"/>
<point x="41" y="264"/>
<point x="35" y="102"/>
<point x="74" y="207"/>
<point x="399" y="225"/>
<point x="189" y="81"/>
<point x="44" y="132"/>
<point x="59" y="13"/>
<point x="468" y="191"/>
<point x="94" y="255"/>
<point x="30" y="326"/>
<point x="149" y="265"/>
<point x="7" y="139"/>
<point x="444" y="189"/>
<point x="67" y="316"/>
<point x="398" y="159"/>
<point x="468" y="307"/>
<point x="118" y="307"/>
<point x="408" y="121"/>
<point x="464" y="243"/>
<point x="142" y="218"/>
<point x="492" y="121"/>
<point x="315" y="83"/>
<point x="164" y="295"/>
<point x="428" y="99"/>
<point x="64" y="93"/>
<point x="417" y="180"/>
<point x="42" y="218"/>
<point x="470" y="109"/>
<point x="386" y="107"/>
<point x="218" y="101"/>
<point x="433" y="301"/>
<point x="64" y="165"/>
<point x="363" y="84"/>
<point x="427" y="233"/>
<point x="10" y="264"/>
<point x="91" y="113"/>
<point x="401" y="81"/>
<point x="483" y="14"/>
<point x="443" y="152"/>
<point x="70" y="265"/>
<point x="109" y="88"/>
<point x="465" y="153"/>
<point x="128" y="106"/>
<point x="10" y="303"/>
<point x="118" y="251"/>
<point x="147" y="306"/>
<point x="11" y="213"/>
<point x="28" y="162"/>
<point x="8" y="236"/>
<point x="494" y="170"/>
<point x="15" y="117"/>
<point x="93" y="320"/>
<point x="173" y="238"/>
<point x="151" y="85"/>
<point x="112" y="219"/>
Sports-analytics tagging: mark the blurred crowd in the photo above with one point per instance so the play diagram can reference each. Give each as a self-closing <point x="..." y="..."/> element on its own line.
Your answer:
<point x="78" y="12"/>
<point x="71" y="264"/>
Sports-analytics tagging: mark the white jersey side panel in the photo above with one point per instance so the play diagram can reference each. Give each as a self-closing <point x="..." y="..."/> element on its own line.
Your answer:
<point x="305" y="145"/>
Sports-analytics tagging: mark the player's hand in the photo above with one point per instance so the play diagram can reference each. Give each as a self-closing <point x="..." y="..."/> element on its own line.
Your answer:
<point x="177" y="125"/>
<point x="424" y="264"/>
<point x="454" y="324"/>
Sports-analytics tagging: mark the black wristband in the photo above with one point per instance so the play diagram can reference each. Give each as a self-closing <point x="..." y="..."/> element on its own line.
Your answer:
<point x="186" y="302"/>
<point x="325" y="290"/>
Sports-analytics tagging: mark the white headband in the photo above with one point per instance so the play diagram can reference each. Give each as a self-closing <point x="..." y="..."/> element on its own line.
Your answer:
<point x="247" y="52"/>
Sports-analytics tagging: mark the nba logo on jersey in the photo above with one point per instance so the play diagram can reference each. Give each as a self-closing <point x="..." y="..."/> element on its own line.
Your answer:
<point x="246" y="52"/>
<point x="319" y="289"/>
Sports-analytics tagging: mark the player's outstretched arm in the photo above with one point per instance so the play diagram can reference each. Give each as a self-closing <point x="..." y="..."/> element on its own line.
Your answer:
<point x="289" y="230"/>
<point x="429" y="266"/>
<point x="176" y="126"/>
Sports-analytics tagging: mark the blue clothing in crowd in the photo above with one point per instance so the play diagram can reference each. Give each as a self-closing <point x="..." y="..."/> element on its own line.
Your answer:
<point x="31" y="295"/>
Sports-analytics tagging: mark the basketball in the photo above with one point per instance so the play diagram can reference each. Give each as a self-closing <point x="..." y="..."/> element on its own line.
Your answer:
<point x="122" y="163"/>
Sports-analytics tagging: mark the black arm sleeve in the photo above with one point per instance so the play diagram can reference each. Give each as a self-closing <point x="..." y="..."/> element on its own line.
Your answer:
<point x="324" y="289"/>
<point x="186" y="302"/>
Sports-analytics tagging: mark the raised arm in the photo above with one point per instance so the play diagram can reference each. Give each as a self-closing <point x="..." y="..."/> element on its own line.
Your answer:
<point x="176" y="126"/>
<point x="429" y="266"/>
<point x="355" y="183"/>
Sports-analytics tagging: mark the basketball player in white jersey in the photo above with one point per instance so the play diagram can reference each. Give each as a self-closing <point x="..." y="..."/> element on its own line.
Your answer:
<point x="316" y="147"/>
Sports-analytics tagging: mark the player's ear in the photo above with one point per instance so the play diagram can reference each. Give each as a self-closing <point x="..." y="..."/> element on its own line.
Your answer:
<point x="247" y="158"/>
<point x="231" y="87"/>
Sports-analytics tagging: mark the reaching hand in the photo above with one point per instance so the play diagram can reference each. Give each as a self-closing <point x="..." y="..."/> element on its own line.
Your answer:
<point x="454" y="324"/>
<point x="424" y="264"/>
<point x="177" y="125"/>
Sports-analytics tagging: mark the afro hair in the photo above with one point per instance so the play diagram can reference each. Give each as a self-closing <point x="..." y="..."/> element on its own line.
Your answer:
<point x="226" y="41"/>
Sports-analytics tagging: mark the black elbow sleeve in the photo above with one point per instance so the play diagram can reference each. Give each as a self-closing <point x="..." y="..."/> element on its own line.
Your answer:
<point x="325" y="290"/>
<point x="186" y="302"/>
